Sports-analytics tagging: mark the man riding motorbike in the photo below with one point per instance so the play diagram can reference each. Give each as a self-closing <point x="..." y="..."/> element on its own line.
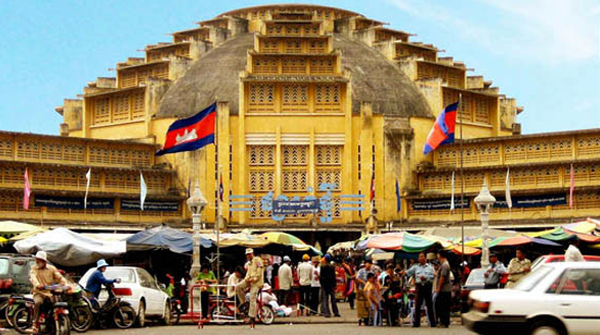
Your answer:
<point x="97" y="279"/>
<point x="41" y="275"/>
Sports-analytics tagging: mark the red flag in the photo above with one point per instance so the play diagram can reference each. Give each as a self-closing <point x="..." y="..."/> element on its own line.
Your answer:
<point x="572" y="187"/>
<point x="26" y="190"/>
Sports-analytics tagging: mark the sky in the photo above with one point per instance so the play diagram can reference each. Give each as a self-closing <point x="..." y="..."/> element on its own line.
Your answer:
<point x="544" y="53"/>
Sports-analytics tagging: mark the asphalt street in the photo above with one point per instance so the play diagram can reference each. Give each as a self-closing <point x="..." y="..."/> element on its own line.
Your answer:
<point x="279" y="329"/>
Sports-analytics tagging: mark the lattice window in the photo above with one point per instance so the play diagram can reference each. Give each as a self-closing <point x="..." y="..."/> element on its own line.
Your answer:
<point x="447" y="157"/>
<point x="330" y="176"/>
<point x="6" y="148"/>
<point x="28" y="150"/>
<point x="547" y="176"/>
<point x="295" y="180"/>
<point x="294" y="65"/>
<point x="295" y="98"/>
<point x="482" y="110"/>
<point x="588" y="146"/>
<point x="257" y="211"/>
<point x="269" y="46"/>
<point x="328" y="154"/>
<point x="587" y="200"/>
<point x="262" y="180"/>
<point x="293" y="47"/>
<point x="141" y="158"/>
<point x="73" y="153"/>
<point x="51" y="151"/>
<point x="10" y="201"/>
<point x="455" y="78"/>
<point x="156" y="182"/>
<point x="274" y="29"/>
<point x="98" y="155"/>
<point x="266" y="65"/>
<point x="327" y="98"/>
<point x="120" y="180"/>
<point x="11" y="175"/>
<point x="293" y="30"/>
<point x="121" y="108"/>
<point x="317" y="46"/>
<point x="261" y="97"/>
<point x="138" y="111"/>
<point x="583" y="174"/>
<point x="101" y="110"/>
<point x="561" y="148"/>
<point x="322" y="65"/>
<point x="311" y="30"/>
<point x="433" y="182"/>
<point x="294" y="155"/>
<point x="127" y="79"/>
<point x="261" y="155"/>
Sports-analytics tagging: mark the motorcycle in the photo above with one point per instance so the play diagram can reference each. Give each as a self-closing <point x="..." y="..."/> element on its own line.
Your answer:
<point x="176" y="311"/>
<point x="114" y="311"/>
<point x="53" y="318"/>
<point x="14" y="303"/>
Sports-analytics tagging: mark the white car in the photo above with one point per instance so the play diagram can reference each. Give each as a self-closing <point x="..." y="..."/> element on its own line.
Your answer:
<point x="556" y="299"/>
<point x="138" y="288"/>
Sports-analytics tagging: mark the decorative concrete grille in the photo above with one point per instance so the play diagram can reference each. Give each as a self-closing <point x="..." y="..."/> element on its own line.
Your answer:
<point x="257" y="211"/>
<point x="269" y="46"/>
<point x="317" y="46"/>
<point x="588" y="146"/>
<point x="327" y="98"/>
<point x="262" y="180"/>
<point x="293" y="65"/>
<point x="101" y="111"/>
<point x="293" y="47"/>
<point x="6" y="148"/>
<point x="261" y="98"/>
<point x="482" y="110"/>
<point x="328" y="154"/>
<point x="332" y="176"/>
<point x="295" y="180"/>
<point x="121" y="108"/>
<point x="138" y="105"/>
<point x="261" y="155"/>
<point x="322" y="65"/>
<point x="127" y="79"/>
<point x="550" y="149"/>
<point x="266" y="65"/>
<point x="12" y="175"/>
<point x="294" y="155"/>
<point x="295" y="98"/>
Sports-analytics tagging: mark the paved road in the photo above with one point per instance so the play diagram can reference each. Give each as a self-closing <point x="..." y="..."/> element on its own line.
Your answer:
<point x="283" y="329"/>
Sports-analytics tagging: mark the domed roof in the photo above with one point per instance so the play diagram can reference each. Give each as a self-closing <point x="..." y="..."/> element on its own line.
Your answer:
<point x="216" y="76"/>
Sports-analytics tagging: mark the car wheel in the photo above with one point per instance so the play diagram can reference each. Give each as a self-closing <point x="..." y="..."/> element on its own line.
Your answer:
<point x="166" y="320"/>
<point x="141" y="321"/>
<point x="545" y="328"/>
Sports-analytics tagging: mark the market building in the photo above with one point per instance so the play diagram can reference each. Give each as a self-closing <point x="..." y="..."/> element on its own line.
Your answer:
<point x="313" y="102"/>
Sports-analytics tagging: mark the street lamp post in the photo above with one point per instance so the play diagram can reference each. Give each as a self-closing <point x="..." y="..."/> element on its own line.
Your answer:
<point x="196" y="204"/>
<point x="484" y="202"/>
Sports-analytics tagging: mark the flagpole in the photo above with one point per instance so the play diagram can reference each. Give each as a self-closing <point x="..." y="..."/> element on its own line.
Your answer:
<point x="462" y="182"/>
<point x="218" y="193"/>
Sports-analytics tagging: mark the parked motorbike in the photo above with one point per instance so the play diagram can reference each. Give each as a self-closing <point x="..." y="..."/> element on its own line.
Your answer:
<point x="114" y="310"/>
<point x="14" y="303"/>
<point x="176" y="311"/>
<point x="53" y="318"/>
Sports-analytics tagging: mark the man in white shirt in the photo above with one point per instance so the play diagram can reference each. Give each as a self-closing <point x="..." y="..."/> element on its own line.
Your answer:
<point x="233" y="280"/>
<point x="286" y="280"/>
<point x="573" y="254"/>
<point x="305" y="275"/>
<point x="315" y="286"/>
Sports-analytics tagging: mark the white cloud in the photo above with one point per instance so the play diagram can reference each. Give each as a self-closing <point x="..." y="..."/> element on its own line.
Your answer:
<point x="551" y="31"/>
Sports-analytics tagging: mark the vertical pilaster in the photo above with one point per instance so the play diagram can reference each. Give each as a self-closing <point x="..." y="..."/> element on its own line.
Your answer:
<point x="366" y="144"/>
<point x="278" y="161"/>
<point x="223" y="140"/>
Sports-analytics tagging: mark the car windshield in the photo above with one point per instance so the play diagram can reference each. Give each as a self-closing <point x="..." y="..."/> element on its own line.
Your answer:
<point x="127" y="276"/>
<point x="4" y="265"/>
<point x="528" y="282"/>
<point x="20" y="267"/>
<point x="537" y="262"/>
<point x="475" y="278"/>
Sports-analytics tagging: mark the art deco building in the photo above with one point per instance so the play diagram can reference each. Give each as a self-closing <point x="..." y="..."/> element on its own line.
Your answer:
<point x="307" y="95"/>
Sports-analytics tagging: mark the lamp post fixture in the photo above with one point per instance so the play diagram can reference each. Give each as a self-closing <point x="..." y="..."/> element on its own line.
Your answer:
<point x="484" y="202"/>
<point x="196" y="204"/>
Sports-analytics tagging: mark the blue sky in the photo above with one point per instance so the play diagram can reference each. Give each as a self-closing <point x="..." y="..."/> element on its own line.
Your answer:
<point x="545" y="53"/>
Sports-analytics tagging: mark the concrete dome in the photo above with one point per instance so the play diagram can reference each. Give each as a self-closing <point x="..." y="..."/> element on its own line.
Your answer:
<point x="216" y="76"/>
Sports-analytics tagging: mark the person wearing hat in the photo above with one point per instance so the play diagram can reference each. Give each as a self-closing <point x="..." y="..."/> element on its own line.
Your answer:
<point x="255" y="280"/>
<point x="41" y="275"/>
<point x="305" y="272"/>
<point x="286" y="280"/>
<point x="493" y="272"/>
<point x="97" y="279"/>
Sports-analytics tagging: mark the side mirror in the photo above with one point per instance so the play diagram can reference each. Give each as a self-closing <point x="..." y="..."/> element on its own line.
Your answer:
<point x="163" y="287"/>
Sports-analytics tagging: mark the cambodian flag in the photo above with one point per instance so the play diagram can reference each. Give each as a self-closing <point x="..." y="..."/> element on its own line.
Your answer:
<point x="191" y="133"/>
<point x="443" y="129"/>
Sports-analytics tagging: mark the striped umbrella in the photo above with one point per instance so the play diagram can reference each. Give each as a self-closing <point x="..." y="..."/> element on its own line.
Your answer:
<point x="403" y="241"/>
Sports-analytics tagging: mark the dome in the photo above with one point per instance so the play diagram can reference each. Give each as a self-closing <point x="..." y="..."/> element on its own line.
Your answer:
<point x="216" y="76"/>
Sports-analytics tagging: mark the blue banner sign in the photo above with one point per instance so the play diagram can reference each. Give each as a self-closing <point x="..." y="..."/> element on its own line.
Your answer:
<point x="528" y="201"/>
<point x="294" y="207"/>
<point x="432" y="204"/>
<point x="150" y="205"/>
<point x="72" y="202"/>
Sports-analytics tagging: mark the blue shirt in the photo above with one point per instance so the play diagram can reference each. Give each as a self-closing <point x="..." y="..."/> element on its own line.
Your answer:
<point x="95" y="282"/>
<point x="419" y="270"/>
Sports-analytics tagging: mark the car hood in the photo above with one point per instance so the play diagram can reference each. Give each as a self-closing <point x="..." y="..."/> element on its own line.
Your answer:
<point x="495" y="295"/>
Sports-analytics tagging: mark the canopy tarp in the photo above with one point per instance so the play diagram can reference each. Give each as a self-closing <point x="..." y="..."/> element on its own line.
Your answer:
<point x="243" y="239"/>
<point x="562" y="234"/>
<point x="10" y="229"/>
<point x="584" y="227"/>
<point x="469" y="251"/>
<point x="164" y="237"/>
<point x="341" y="247"/>
<point x="67" y="248"/>
<point x="521" y="240"/>
<point x="471" y="233"/>
<point x="289" y="240"/>
<point x="403" y="241"/>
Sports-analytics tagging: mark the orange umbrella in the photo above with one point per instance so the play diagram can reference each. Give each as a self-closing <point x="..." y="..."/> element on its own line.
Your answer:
<point x="469" y="251"/>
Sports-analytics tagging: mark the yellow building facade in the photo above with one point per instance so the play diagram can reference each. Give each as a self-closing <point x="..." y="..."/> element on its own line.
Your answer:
<point x="310" y="95"/>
